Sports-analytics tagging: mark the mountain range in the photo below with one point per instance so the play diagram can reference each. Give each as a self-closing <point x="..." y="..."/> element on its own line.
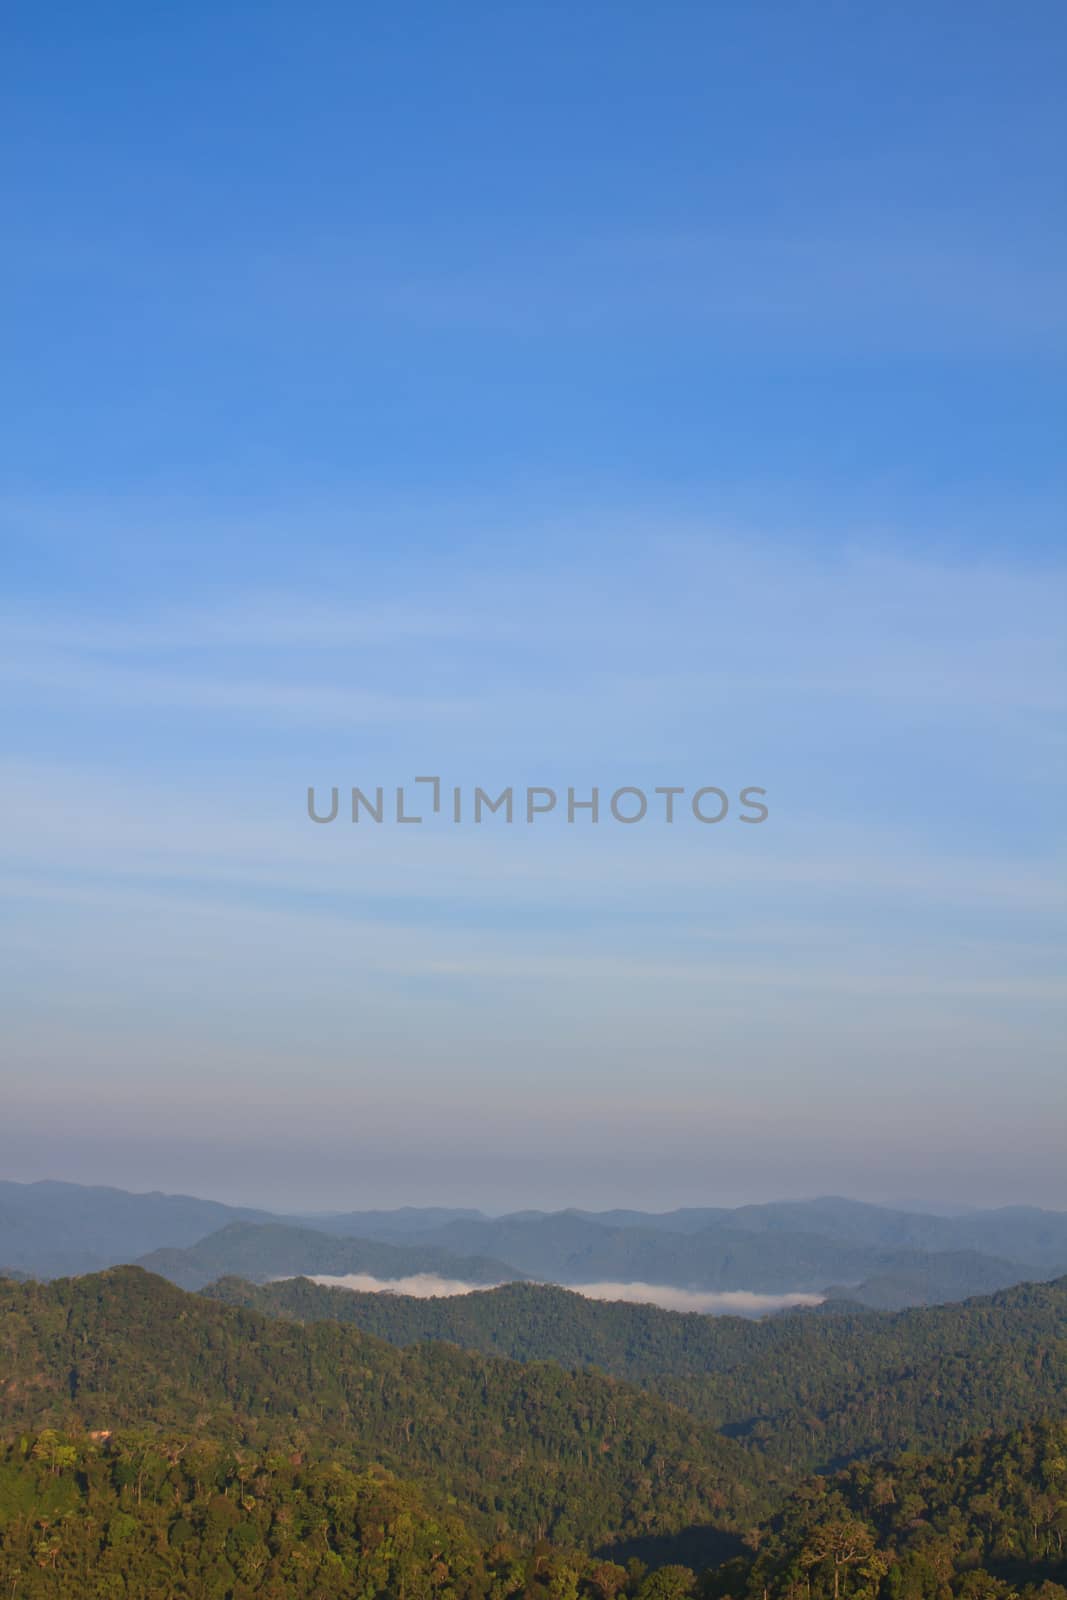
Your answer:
<point x="841" y="1248"/>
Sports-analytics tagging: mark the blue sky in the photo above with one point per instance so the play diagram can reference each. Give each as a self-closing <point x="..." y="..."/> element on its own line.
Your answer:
<point x="535" y="394"/>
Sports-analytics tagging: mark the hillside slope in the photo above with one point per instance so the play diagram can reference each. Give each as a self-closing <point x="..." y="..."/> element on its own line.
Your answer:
<point x="531" y="1449"/>
<point x="807" y="1389"/>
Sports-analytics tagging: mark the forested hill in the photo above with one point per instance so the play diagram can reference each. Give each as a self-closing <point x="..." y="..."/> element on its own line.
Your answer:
<point x="532" y="1449"/>
<point x="162" y="1444"/>
<point x="810" y="1390"/>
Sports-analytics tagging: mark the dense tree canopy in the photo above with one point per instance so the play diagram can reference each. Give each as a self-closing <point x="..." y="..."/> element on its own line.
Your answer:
<point x="810" y="1390"/>
<point x="532" y="1449"/>
<point x="165" y="1516"/>
<point x="980" y="1523"/>
<point x="156" y="1445"/>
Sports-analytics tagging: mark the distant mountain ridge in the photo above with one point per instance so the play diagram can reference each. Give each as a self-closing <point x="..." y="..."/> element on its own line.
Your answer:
<point x="882" y="1257"/>
<point x="51" y="1229"/>
<point x="261" y="1251"/>
<point x="1024" y="1235"/>
<point x="568" y="1249"/>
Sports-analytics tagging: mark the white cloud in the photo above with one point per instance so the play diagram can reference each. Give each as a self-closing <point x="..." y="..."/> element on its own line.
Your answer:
<point x="733" y="1302"/>
<point x="419" y="1285"/>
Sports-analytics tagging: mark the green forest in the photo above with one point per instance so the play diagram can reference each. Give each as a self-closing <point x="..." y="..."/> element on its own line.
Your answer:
<point x="161" y="1443"/>
<point x="165" y="1516"/>
<point x="811" y="1390"/>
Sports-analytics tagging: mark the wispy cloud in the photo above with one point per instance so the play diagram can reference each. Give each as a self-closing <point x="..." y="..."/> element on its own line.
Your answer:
<point x="541" y="653"/>
<point x="75" y="683"/>
<point x="927" y="286"/>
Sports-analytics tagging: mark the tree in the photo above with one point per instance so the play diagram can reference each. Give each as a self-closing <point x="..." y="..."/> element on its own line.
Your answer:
<point x="668" y="1583"/>
<point x="843" y="1542"/>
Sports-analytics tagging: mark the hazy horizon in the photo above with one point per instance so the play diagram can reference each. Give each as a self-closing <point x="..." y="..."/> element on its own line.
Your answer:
<point x="358" y="1199"/>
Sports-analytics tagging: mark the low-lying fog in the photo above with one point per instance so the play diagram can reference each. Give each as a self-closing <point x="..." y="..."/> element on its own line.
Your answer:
<point x="732" y="1302"/>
